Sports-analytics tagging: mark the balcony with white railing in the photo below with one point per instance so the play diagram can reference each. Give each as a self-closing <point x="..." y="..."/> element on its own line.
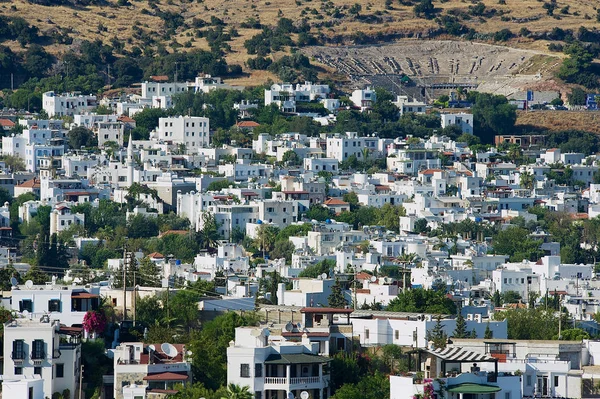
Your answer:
<point x="286" y="383"/>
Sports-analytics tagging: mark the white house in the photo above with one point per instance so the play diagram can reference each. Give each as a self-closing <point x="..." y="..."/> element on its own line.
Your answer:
<point x="61" y="218"/>
<point x="406" y="106"/>
<point x="67" y="104"/>
<point x="273" y="370"/>
<point x="68" y="304"/>
<point x="158" y="367"/>
<point x="189" y="131"/>
<point x="364" y="98"/>
<point x="40" y="346"/>
<point x="463" y="120"/>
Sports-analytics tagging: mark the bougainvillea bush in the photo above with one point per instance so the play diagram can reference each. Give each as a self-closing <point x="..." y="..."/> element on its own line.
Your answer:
<point x="94" y="321"/>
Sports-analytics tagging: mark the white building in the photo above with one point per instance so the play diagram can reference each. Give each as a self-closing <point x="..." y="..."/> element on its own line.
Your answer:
<point x="61" y="218"/>
<point x="41" y="347"/>
<point x="158" y="367"/>
<point x="68" y="304"/>
<point x="207" y="83"/>
<point x="109" y="132"/>
<point x="193" y="132"/>
<point x="161" y="89"/>
<point x="341" y="147"/>
<point x="363" y="98"/>
<point x="406" y="106"/>
<point x="67" y="104"/>
<point x="274" y="370"/>
<point x="286" y="95"/>
<point x="462" y="120"/>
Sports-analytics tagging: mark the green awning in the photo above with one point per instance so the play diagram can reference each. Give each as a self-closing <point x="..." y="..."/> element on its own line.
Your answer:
<point x="469" y="387"/>
<point x="295" y="358"/>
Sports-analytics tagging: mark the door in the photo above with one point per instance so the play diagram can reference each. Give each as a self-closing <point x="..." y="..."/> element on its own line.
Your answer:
<point x="542" y="385"/>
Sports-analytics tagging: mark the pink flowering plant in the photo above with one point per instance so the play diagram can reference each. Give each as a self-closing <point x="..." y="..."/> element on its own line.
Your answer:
<point x="428" y="392"/>
<point x="94" y="321"/>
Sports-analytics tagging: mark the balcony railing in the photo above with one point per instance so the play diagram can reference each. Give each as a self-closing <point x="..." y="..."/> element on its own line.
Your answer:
<point x="38" y="355"/>
<point x="18" y="355"/>
<point x="292" y="381"/>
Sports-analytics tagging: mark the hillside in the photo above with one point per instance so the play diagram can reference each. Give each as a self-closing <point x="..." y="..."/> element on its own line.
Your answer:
<point x="339" y="22"/>
<point x="559" y="120"/>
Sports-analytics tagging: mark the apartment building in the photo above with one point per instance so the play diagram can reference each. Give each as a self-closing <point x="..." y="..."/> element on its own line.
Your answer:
<point x="42" y="347"/>
<point x="67" y="104"/>
<point x="193" y="132"/>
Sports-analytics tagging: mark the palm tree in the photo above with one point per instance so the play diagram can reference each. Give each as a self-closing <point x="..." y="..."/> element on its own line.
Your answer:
<point x="526" y="180"/>
<point x="235" y="391"/>
<point x="265" y="238"/>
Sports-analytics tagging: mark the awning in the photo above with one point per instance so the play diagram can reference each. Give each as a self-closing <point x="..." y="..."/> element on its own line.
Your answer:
<point x="460" y="355"/>
<point x="295" y="359"/>
<point x="473" y="388"/>
<point x="167" y="376"/>
<point x="83" y="295"/>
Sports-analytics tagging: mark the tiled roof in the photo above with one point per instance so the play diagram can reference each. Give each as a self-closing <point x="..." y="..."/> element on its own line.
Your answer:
<point x="32" y="183"/>
<point x="335" y="201"/>
<point x="166" y="376"/>
<point x="6" y="123"/>
<point x="156" y="255"/>
<point x="247" y="124"/>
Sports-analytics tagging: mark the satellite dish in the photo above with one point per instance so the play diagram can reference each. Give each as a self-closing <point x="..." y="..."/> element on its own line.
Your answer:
<point x="29" y="284"/>
<point x="323" y="276"/>
<point x="304" y="395"/>
<point x="299" y="326"/>
<point x="255" y="332"/>
<point x="151" y="348"/>
<point x="14" y="281"/>
<point x="25" y="313"/>
<point x="168" y="350"/>
<point x="189" y="353"/>
<point x="289" y="327"/>
<point x="373" y="279"/>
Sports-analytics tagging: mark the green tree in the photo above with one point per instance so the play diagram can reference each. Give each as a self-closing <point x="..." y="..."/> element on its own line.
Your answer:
<point x="149" y="273"/>
<point x="526" y="180"/>
<point x="531" y="324"/>
<point x="577" y="96"/>
<point x="573" y="334"/>
<point x="376" y="386"/>
<point x="516" y="242"/>
<point x="419" y="300"/>
<point x="492" y="115"/>
<point x="511" y="297"/>
<point x="265" y="238"/>
<point x="14" y="163"/>
<point x="424" y="9"/>
<point x="147" y="119"/>
<point x="437" y="335"/>
<point x="488" y="334"/>
<point x="209" y="362"/>
<point x="460" y="331"/>
<point x="336" y="299"/>
<point x="238" y="392"/>
<point x="208" y="235"/>
<point x="140" y="226"/>
<point x="291" y="158"/>
<point x="149" y="310"/>
<point x="82" y="137"/>
<point x="219" y="185"/>
<point x="314" y="271"/>
<point x="283" y="249"/>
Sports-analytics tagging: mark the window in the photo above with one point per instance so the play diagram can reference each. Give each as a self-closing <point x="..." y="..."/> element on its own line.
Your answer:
<point x="245" y="370"/>
<point x="54" y="305"/>
<point x="257" y="395"/>
<point x="258" y="370"/>
<point x="38" y="349"/>
<point x="367" y="334"/>
<point x="30" y="392"/>
<point x="555" y="381"/>
<point x="18" y="370"/>
<point x="506" y="395"/>
<point x="26" y="304"/>
<point x="37" y="370"/>
<point x="18" y="352"/>
<point x="60" y="370"/>
<point x="397" y="334"/>
<point x="528" y="380"/>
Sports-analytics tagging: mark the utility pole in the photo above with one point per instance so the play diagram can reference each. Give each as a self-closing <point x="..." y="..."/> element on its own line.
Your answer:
<point x="134" y="299"/>
<point x="81" y="381"/>
<point x="125" y="262"/>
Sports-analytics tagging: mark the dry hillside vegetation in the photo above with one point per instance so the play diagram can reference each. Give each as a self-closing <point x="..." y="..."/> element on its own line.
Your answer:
<point x="329" y="20"/>
<point x="561" y="120"/>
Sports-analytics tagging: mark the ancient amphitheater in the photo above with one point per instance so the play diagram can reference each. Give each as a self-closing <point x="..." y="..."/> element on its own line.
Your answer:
<point x="436" y="66"/>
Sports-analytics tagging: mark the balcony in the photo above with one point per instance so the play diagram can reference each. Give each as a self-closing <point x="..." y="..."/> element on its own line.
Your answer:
<point x="18" y="356"/>
<point x="295" y="382"/>
<point x="38" y="357"/>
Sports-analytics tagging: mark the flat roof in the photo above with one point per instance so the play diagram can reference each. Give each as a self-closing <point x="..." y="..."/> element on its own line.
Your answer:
<point x="295" y="358"/>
